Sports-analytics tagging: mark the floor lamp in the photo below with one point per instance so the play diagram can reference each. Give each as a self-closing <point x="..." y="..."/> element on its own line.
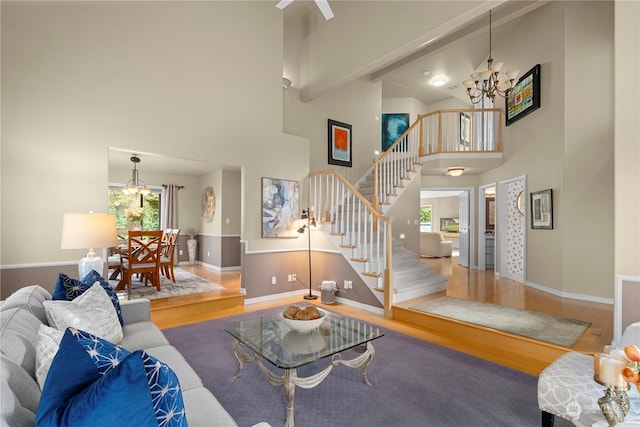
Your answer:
<point x="310" y="222"/>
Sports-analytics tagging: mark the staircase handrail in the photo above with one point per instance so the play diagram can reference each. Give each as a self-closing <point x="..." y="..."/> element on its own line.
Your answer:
<point x="389" y="171"/>
<point x="362" y="233"/>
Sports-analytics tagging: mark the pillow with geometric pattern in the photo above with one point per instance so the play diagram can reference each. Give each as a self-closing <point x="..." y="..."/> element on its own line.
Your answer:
<point x="94" y="382"/>
<point x="68" y="289"/>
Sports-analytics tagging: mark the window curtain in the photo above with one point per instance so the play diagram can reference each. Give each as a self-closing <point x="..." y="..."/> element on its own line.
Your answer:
<point x="170" y="211"/>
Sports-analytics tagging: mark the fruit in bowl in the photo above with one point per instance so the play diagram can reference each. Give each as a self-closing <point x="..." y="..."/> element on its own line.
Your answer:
<point x="303" y="319"/>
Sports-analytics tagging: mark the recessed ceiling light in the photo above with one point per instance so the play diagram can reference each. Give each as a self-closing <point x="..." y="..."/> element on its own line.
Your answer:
<point x="439" y="81"/>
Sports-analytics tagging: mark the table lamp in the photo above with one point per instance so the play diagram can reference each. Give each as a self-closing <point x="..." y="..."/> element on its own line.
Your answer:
<point x="89" y="231"/>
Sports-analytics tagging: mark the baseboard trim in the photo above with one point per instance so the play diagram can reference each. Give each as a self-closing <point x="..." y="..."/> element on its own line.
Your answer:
<point x="571" y="295"/>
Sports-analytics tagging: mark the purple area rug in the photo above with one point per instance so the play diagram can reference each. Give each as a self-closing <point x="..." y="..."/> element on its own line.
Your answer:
<point x="415" y="383"/>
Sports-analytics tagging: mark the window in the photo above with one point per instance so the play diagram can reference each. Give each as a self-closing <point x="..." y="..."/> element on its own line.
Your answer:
<point x="425" y="218"/>
<point x="118" y="202"/>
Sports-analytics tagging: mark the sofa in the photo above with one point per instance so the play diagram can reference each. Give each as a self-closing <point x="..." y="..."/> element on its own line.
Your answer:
<point x="433" y="245"/>
<point x="21" y="315"/>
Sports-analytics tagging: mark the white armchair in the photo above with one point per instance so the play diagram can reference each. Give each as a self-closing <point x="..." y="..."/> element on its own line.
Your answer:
<point x="433" y="245"/>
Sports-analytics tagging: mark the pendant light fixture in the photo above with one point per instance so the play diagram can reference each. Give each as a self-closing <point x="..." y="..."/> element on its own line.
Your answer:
<point x="492" y="81"/>
<point x="135" y="185"/>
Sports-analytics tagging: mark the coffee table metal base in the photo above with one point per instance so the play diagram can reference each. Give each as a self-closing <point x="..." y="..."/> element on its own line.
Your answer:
<point x="290" y="377"/>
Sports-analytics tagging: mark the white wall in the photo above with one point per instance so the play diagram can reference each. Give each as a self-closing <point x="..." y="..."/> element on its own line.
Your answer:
<point x="627" y="139"/>
<point x="339" y="51"/>
<point x="357" y="103"/>
<point x="197" y="80"/>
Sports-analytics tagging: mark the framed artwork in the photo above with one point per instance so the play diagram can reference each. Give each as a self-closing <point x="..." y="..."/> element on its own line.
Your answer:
<point x="542" y="210"/>
<point x="490" y="213"/>
<point x="465" y="129"/>
<point x="208" y="204"/>
<point x="524" y="98"/>
<point x="280" y="207"/>
<point x="339" y="143"/>
<point x="393" y="126"/>
<point x="520" y="203"/>
<point x="449" y="225"/>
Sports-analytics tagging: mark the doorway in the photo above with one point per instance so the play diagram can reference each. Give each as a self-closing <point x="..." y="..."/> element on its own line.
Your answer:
<point x="452" y="212"/>
<point x="511" y="229"/>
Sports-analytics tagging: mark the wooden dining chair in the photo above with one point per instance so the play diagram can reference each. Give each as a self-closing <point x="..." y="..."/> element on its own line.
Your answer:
<point x="168" y="254"/>
<point x="143" y="258"/>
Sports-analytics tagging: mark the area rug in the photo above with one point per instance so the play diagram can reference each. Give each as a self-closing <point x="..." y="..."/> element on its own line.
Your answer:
<point x="186" y="284"/>
<point x="539" y="326"/>
<point x="415" y="383"/>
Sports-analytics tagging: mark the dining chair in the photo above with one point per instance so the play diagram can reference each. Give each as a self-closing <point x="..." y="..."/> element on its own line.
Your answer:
<point x="143" y="257"/>
<point x="116" y="253"/>
<point x="168" y="254"/>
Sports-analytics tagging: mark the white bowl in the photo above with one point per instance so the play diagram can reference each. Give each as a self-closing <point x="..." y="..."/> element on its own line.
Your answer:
<point x="303" y="343"/>
<point x="304" y="325"/>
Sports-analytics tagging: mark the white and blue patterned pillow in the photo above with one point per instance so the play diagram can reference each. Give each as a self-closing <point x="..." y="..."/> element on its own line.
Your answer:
<point x="68" y="288"/>
<point x="132" y="386"/>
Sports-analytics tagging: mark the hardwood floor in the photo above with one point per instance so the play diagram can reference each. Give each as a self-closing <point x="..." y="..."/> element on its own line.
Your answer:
<point x="519" y="353"/>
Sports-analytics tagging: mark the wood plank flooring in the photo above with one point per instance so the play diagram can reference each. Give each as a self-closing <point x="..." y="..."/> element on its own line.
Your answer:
<point x="519" y="353"/>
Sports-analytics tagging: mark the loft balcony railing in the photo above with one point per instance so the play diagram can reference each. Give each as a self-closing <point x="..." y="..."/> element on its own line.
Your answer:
<point x="460" y="131"/>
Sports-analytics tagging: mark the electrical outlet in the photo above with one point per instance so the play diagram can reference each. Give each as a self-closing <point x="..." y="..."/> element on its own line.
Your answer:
<point x="181" y="252"/>
<point x="402" y="236"/>
<point x="293" y="278"/>
<point x="273" y="280"/>
<point x="347" y="284"/>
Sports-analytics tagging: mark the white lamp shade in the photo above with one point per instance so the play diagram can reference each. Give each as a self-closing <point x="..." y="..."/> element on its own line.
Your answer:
<point x="88" y="231"/>
<point x="512" y="74"/>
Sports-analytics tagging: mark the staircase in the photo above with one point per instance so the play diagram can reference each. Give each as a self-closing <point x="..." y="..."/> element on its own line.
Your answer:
<point x="355" y="216"/>
<point x="363" y="236"/>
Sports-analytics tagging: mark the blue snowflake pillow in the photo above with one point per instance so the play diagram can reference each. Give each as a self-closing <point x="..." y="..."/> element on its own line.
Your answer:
<point x="68" y="288"/>
<point x="93" y="382"/>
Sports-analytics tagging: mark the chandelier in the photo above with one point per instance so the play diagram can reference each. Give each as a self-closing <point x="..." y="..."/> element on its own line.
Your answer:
<point x="135" y="185"/>
<point x="491" y="81"/>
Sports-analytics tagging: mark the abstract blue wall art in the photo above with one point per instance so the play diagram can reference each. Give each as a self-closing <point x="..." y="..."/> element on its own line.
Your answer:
<point x="280" y="207"/>
<point x="393" y="126"/>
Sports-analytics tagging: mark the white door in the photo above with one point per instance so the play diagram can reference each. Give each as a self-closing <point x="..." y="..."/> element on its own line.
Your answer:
<point x="463" y="228"/>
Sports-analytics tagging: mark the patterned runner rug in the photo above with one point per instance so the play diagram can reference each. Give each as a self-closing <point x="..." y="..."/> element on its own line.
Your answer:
<point x="539" y="326"/>
<point x="186" y="283"/>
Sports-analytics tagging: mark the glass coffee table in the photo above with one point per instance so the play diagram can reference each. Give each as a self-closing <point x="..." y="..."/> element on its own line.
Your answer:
<point x="269" y="338"/>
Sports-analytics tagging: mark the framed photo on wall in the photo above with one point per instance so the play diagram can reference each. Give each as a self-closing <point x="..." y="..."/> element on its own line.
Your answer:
<point x="339" y="143"/>
<point x="393" y="126"/>
<point x="490" y="213"/>
<point x="524" y="98"/>
<point x="542" y="210"/>
<point x="465" y="129"/>
<point x="280" y="207"/>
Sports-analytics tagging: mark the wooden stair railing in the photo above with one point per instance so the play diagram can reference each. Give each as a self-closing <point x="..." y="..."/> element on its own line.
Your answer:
<point x="361" y="228"/>
<point x="467" y="130"/>
<point x="360" y="224"/>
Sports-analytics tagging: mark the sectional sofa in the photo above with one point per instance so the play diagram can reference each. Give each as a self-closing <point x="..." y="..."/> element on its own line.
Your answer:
<point x="21" y="315"/>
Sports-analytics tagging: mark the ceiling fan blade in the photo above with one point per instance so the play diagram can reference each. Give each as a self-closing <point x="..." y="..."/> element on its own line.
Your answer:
<point x="324" y="7"/>
<point x="283" y="3"/>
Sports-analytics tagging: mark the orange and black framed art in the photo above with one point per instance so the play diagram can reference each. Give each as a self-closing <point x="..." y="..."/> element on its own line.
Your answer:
<point x="339" y="143"/>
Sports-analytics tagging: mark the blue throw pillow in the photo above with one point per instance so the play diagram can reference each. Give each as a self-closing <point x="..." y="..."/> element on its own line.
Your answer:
<point x="166" y="392"/>
<point x="91" y="381"/>
<point x="68" y="288"/>
<point x="120" y="397"/>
